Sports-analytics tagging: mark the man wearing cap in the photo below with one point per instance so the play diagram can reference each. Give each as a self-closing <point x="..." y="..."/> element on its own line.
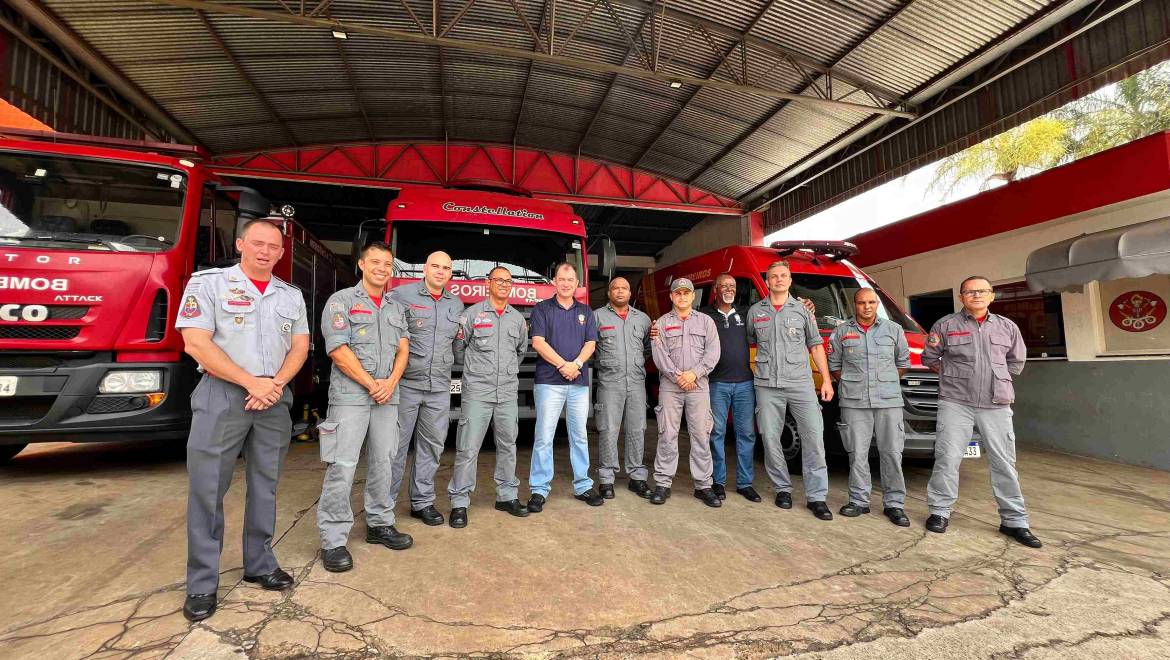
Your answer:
<point x="249" y="332"/>
<point x="685" y="351"/>
<point x="976" y="353"/>
<point x="623" y="341"/>
<point x="867" y="356"/>
<point x="785" y="333"/>
<point x="424" y="407"/>
<point x="490" y="342"/>
<point x="564" y="335"/>
<point x="365" y="336"/>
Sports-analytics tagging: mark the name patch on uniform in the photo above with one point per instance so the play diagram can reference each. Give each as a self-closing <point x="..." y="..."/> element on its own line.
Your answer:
<point x="359" y="308"/>
<point x="241" y="302"/>
<point x="958" y="333"/>
<point x="608" y="327"/>
<point x="414" y="306"/>
<point x="484" y="324"/>
<point x="338" y="322"/>
<point x="761" y="319"/>
<point x="851" y="336"/>
<point x="190" y="308"/>
<point x="672" y="327"/>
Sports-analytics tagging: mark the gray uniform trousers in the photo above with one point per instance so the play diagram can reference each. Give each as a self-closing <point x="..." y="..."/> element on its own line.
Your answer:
<point x="859" y="426"/>
<point x="474" y="417"/>
<point x="220" y="427"/>
<point x="955" y="422"/>
<point x="424" y="417"/>
<point x="671" y="405"/>
<point x="348" y="428"/>
<point x="616" y="406"/>
<point x="800" y="399"/>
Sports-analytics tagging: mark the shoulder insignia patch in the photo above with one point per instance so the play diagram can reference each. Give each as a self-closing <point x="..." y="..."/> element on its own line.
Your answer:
<point x="191" y="308"/>
<point x="338" y="322"/>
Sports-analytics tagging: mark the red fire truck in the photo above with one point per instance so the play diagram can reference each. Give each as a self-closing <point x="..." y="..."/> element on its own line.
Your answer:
<point x="820" y="272"/>
<point x="97" y="240"/>
<point x="482" y="225"/>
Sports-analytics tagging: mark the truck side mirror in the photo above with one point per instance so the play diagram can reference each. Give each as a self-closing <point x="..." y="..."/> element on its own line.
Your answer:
<point x="360" y="238"/>
<point x="606" y="257"/>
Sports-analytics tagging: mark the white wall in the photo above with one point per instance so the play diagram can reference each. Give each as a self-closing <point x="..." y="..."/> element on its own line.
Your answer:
<point x="712" y="233"/>
<point x="1002" y="258"/>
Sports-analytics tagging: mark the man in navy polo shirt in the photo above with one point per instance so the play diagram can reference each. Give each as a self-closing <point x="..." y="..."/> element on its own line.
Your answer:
<point x="564" y="334"/>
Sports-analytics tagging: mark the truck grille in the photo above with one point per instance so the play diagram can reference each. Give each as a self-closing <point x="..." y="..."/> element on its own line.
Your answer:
<point x="19" y="361"/>
<point x="67" y="312"/>
<point x="53" y="332"/>
<point x="920" y="392"/>
<point x="26" y="408"/>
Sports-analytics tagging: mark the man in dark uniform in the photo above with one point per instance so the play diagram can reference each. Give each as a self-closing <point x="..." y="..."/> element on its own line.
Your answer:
<point x="976" y="353"/>
<point x="249" y="333"/>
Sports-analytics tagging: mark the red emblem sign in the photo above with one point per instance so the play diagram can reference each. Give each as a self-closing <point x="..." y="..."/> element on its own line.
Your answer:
<point x="1137" y="311"/>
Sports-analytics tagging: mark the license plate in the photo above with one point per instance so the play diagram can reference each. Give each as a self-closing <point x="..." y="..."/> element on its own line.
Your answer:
<point x="456" y="386"/>
<point x="7" y="385"/>
<point x="972" y="450"/>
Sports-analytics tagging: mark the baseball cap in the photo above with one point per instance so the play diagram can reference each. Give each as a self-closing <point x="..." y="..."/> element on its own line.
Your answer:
<point x="681" y="283"/>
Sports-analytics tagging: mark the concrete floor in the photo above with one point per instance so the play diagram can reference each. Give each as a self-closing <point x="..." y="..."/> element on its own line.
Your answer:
<point x="93" y="541"/>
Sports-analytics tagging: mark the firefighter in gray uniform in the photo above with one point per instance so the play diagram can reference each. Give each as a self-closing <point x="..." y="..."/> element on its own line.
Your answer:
<point x="365" y="336"/>
<point x="490" y="342"/>
<point x="976" y="353"/>
<point x="249" y="333"/>
<point x="867" y="356"/>
<point x="424" y="407"/>
<point x="685" y="350"/>
<point x="785" y="333"/>
<point x="623" y="341"/>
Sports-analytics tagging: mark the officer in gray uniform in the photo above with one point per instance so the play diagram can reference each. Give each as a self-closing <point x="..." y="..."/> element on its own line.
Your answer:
<point x="249" y="332"/>
<point x="685" y="350"/>
<point x="976" y="353"/>
<point x="490" y="342"/>
<point x="623" y="341"/>
<point x="365" y="336"/>
<point x="785" y="333"/>
<point x="867" y="356"/>
<point x="424" y="407"/>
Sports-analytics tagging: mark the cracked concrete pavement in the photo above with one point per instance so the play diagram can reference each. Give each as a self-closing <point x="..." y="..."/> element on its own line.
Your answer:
<point x="95" y="541"/>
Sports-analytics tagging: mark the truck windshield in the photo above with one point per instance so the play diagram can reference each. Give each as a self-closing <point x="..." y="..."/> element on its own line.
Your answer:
<point x="833" y="297"/>
<point x="57" y="202"/>
<point x="529" y="254"/>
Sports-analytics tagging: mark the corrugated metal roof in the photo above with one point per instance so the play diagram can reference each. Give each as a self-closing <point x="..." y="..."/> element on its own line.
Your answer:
<point x="726" y="141"/>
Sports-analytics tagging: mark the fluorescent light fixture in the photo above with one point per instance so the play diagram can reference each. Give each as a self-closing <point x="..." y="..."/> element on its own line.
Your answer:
<point x="674" y="84"/>
<point x="340" y="34"/>
<point x="40" y="171"/>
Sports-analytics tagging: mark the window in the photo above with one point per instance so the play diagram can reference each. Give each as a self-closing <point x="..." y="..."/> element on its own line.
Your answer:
<point x="530" y="254"/>
<point x="833" y="297"/>
<point x="1038" y="315"/>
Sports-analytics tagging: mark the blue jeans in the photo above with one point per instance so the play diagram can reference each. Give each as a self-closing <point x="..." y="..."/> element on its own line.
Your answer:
<point x="741" y="399"/>
<point x="550" y="400"/>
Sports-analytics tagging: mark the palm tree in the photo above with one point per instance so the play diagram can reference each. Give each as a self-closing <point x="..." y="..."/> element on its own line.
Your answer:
<point x="1031" y="147"/>
<point x="1132" y="109"/>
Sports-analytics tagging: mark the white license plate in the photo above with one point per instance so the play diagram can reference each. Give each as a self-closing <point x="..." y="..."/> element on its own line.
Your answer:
<point x="7" y="385"/>
<point x="456" y="386"/>
<point x="972" y="450"/>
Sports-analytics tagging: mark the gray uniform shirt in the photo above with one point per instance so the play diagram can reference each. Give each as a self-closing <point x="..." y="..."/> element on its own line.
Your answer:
<point x="254" y="330"/>
<point x="621" y="347"/>
<point x="490" y="346"/>
<point x="372" y="333"/>
<point x="783" y="339"/>
<point x="977" y="360"/>
<point x="869" y="361"/>
<point x="432" y="326"/>
<point x="690" y="344"/>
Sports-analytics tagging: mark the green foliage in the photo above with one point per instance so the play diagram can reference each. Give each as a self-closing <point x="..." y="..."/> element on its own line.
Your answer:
<point x="1036" y="145"/>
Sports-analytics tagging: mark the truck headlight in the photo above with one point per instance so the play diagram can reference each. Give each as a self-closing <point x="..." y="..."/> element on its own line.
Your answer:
<point x="131" y="382"/>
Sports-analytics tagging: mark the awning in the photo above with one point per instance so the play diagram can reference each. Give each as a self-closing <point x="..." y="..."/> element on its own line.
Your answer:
<point x="1134" y="251"/>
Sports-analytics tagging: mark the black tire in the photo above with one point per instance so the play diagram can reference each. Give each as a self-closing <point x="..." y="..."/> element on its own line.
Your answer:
<point x="790" y="441"/>
<point x="7" y="452"/>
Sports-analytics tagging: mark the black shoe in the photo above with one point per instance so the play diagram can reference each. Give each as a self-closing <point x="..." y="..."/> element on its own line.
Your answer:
<point x="606" y="491"/>
<point x="749" y="494"/>
<point x="719" y="491"/>
<point x="1021" y="534"/>
<point x="277" y="580"/>
<point x="709" y="497"/>
<point x="458" y="518"/>
<point x="784" y="500"/>
<point x="896" y="516"/>
<point x="638" y="487"/>
<point x="820" y="510"/>
<point x="936" y="524"/>
<point x="198" y="607"/>
<point x="660" y="495"/>
<point x="336" y="560"/>
<point x="389" y="537"/>
<point x="513" y="507"/>
<point x="852" y="510"/>
<point x="536" y="503"/>
<point x="591" y="498"/>
<point x="429" y="515"/>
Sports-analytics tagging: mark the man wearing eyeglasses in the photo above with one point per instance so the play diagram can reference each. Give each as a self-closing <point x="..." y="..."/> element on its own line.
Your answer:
<point x="491" y="339"/>
<point x="976" y="353"/>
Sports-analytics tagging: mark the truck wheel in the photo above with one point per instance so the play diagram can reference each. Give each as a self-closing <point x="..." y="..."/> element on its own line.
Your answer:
<point x="8" y="451"/>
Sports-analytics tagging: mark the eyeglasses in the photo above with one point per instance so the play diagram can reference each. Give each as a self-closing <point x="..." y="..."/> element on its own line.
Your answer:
<point x="970" y="293"/>
<point x="501" y="281"/>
